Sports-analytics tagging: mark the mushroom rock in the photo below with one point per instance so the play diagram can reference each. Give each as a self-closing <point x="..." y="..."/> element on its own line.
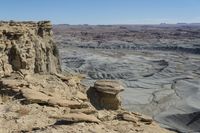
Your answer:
<point x="104" y="94"/>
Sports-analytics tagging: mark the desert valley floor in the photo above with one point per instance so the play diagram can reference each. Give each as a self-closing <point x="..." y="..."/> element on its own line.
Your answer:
<point x="159" y="66"/>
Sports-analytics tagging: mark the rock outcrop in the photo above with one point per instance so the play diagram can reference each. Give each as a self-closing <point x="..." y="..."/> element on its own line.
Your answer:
<point x="36" y="97"/>
<point x="27" y="46"/>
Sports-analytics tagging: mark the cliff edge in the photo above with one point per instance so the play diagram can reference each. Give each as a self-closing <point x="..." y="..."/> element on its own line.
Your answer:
<point x="36" y="97"/>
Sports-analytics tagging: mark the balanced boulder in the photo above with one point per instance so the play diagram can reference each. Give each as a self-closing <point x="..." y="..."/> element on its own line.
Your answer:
<point x="104" y="94"/>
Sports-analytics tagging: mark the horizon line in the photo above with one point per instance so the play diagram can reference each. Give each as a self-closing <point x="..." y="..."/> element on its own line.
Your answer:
<point x="129" y="24"/>
<point x="161" y="23"/>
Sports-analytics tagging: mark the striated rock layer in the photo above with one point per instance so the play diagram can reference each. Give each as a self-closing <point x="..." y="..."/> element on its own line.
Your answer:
<point x="36" y="97"/>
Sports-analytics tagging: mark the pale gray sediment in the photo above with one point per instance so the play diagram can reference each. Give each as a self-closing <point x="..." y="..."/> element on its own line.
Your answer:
<point x="162" y="81"/>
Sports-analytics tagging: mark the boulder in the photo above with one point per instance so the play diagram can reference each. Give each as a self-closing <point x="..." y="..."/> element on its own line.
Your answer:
<point x="104" y="94"/>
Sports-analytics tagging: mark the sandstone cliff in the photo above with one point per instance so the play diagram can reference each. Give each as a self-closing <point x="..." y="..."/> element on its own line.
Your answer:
<point x="28" y="46"/>
<point x="36" y="97"/>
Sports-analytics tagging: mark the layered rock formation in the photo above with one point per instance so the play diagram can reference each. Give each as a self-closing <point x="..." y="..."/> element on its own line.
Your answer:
<point x="28" y="46"/>
<point x="36" y="97"/>
<point x="179" y="38"/>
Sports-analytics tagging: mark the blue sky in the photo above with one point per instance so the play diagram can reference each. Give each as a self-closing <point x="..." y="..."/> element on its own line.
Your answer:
<point x="102" y="11"/>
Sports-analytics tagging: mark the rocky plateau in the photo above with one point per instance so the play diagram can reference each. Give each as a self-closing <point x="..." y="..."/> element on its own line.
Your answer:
<point x="36" y="96"/>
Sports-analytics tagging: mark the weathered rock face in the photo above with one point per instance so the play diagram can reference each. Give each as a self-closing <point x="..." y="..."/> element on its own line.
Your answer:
<point x="28" y="46"/>
<point x="104" y="94"/>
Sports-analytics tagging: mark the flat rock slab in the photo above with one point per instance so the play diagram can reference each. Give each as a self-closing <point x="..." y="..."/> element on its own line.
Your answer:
<point x="108" y="86"/>
<point x="78" y="117"/>
<point x="35" y="96"/>
<point x="66" y="103"/>
<point x="13" y="84"/>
